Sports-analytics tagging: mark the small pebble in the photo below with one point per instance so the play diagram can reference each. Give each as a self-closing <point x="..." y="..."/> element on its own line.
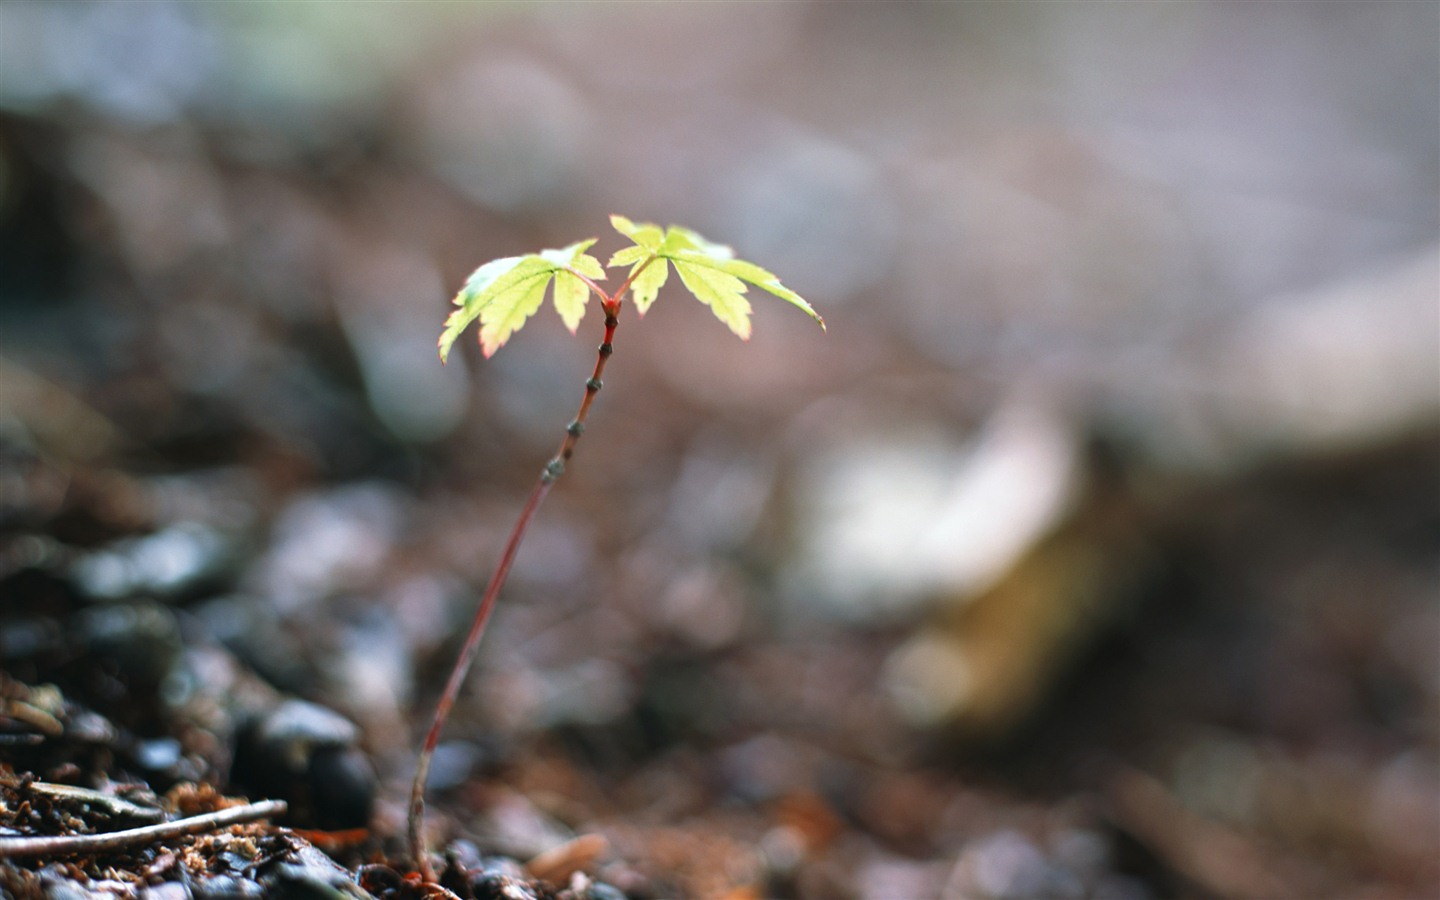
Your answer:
<point x="170" y="890"/>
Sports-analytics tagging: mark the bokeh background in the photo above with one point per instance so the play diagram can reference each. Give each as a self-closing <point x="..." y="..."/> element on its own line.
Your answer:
<point x="1091" y="553"/>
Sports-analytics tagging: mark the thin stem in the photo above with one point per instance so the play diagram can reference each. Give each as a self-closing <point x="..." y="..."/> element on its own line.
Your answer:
<point x="625" y="285"/>
<point x="548" y="476"/>
<point x="77" y="844"/>
<point x="595" y="289"/>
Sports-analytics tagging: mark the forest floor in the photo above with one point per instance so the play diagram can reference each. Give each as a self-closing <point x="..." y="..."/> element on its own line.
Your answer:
<point x="237" y="553"/>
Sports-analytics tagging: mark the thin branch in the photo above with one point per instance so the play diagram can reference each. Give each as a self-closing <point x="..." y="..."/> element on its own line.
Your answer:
<point x="77" y="844"/>
<point x="457" y="676"/>
<point x="552" y="471"/>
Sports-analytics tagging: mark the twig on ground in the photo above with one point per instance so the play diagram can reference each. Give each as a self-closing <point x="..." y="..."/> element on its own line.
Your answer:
<point x="76" y="844"/>
<point x="1219" y="859"/>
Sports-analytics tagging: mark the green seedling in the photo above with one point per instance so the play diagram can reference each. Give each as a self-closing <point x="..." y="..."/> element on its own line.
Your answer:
<point x="505" y="293"/>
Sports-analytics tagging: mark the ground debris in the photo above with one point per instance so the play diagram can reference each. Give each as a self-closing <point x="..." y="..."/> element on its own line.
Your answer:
<point x="121" y="839"/>
<point x="239" y="497"/>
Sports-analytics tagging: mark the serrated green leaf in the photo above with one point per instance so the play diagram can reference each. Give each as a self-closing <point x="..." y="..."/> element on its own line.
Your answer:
<point x="504" y="293"/>
<point x="571" y="292"/>
<point x="506" y="313"/>
<point x="588" y="266"/>
<point x="648" y="283"/>
<point x="719" y="290"/>
<point x="570" y="296"/>
<point x="472" y="298"/>
<point x="679" y="239"/>
<point x="455" y="323"/>
<point x="646" y="234"/>
<point x="684" y="247"/>
<point x="745" y="271"/>
<point x="628" y="256"/>
<point x="706" y="253"/>
<point x="575" y="257"/>
<point x="766" y="281"/>
<point x="487" y="274"/>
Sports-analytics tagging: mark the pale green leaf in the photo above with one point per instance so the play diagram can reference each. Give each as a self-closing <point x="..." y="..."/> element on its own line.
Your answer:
<point x="571" y="292"/>
<point x="504" y="293"/>
<point x="682" y="245"/>
<point x="648" y="283"/>
<point x="645" y="235"/>
<point x="679" y="239"/>
<point x="455" y="323"/>
<point x="768" y="282"/>
<point x="628" y="256"/>
<point x="622" y="224"/>
<point x="506" y="313"/>
<point x="575" y="257"/>
<point x="588" y="266"/>
<point x="472" y="298"/>
<point x="486" y="275"/>
<point x="570" y="296"/>
<point x="721" y="291"/>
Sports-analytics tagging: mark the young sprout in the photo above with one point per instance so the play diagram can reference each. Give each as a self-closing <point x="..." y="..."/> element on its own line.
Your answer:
<point x="502" y="295"/>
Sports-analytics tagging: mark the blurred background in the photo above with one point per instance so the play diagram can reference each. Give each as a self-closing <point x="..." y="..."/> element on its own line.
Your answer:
<point x="1091" y="553"/>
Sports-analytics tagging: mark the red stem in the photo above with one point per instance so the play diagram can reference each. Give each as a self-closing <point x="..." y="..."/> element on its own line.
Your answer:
<point x="552" y="471"/>
<point x="634" y="274"/>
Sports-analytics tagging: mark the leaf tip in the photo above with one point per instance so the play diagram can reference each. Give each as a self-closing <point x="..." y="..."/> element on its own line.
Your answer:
<point x="488" y="345"/>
